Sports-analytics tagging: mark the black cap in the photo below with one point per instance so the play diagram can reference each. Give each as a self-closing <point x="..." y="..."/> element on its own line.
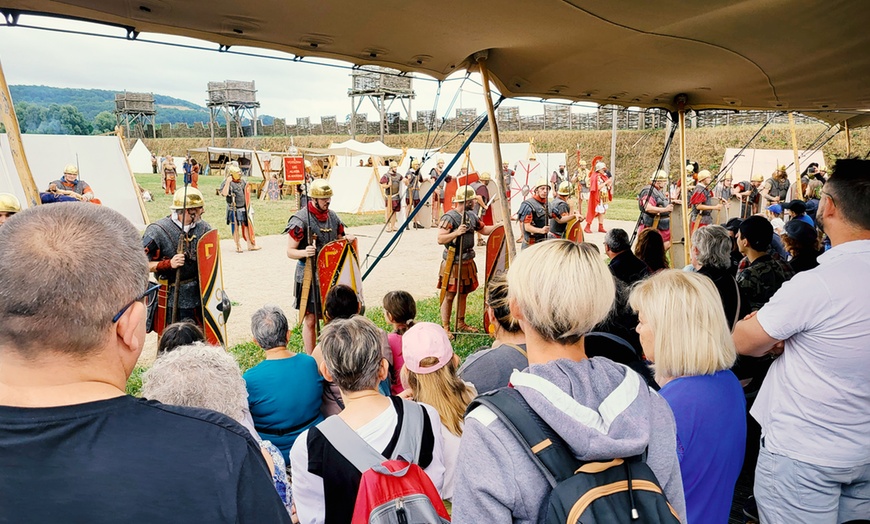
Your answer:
<point x="758" y="231"/>
<point x="733" y="225"/>
<point x="801" y="232"/>
<point x="798" y="206"/>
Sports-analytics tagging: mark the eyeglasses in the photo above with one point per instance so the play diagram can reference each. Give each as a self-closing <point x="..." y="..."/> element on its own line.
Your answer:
<point x="148" y="296"/>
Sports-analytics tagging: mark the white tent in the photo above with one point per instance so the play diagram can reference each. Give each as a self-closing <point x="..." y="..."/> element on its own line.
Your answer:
<point x="356" y="189"/>
<point x="140" y="158"/>
<point x="352" y="147"/>
<point x="102" y="164"/>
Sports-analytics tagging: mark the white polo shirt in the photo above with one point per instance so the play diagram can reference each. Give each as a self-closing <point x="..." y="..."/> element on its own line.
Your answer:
<point x="814" y="405"/>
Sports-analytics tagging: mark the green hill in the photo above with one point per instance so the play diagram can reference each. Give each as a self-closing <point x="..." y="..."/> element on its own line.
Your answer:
<point x="91" y="102"/>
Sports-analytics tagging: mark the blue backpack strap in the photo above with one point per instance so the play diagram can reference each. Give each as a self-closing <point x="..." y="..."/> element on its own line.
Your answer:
<point x="546" y="448"/>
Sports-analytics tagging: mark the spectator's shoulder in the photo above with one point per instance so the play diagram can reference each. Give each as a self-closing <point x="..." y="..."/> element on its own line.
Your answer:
<point x="185" y="419"/>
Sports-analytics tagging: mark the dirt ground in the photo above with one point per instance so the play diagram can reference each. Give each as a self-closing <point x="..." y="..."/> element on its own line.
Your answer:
<point x="254" y="279"/>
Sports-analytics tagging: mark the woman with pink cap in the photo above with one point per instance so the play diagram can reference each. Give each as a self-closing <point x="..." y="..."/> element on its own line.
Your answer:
<point x="430" y="376"/>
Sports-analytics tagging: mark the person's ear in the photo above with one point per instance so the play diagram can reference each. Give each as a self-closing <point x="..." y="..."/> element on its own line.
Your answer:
<point x="384" y="370"/>
<point x="130" y="330"/>
<point x="324" y="372"/>
<point x="514" y="308"/>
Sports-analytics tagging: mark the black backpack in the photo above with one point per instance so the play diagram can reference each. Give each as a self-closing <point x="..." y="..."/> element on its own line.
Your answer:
<point x="623" y="490"/>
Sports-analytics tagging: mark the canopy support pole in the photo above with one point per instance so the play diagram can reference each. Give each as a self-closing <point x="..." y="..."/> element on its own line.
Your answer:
<point x="799" y="194"/>
<point x="848" y="139"/>
<point x="13" y="133"/>
<point x="684" y="194"/>
<point x="496" y="153"/>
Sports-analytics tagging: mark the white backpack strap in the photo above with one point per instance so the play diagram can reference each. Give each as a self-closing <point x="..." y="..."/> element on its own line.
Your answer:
<point x="351" y="446"/>
<point x="411" y="434"/>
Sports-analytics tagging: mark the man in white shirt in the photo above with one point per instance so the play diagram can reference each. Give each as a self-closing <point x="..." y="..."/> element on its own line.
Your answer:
<point x="814" y="405"/>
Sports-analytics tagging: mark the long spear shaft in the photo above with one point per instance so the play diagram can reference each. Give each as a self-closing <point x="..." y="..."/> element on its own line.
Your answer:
<point x="182" y="245"/>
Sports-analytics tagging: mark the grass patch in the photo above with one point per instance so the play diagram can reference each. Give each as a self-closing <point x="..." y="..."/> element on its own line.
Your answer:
<point x="248" y="354"/>
<point x="269" y="217"/>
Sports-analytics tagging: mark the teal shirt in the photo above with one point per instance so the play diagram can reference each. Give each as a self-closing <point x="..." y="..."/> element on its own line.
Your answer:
<point x="284" y="396"/>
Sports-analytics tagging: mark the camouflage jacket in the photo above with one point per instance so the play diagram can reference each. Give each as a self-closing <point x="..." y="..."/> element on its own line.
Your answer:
<point x="761" y="279"/>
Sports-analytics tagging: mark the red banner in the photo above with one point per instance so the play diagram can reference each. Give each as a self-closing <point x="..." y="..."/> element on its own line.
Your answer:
<point x="294" y="169"/>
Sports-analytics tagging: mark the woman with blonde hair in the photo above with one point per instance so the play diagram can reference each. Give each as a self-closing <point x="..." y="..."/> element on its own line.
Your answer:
<point x="430" y="377"/>
<point x="691" y="362"/>
<point x="558" y="291"/>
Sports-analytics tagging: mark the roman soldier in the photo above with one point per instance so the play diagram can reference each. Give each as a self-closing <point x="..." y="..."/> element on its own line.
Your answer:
<point x="508" y="175"/>
<point x="480" y="208"/>
<point x="557" y="177"/>
<point x="311" y="228"/>
<point x="533" y="214"/>
<point x="775" y="189"/>
<point x="170" y="245"/>
<point x="235" y="189"/>
<point x="458" y="272"/>
<point x="560" y="211"/>
<point x="600" y="196"/>
<point x="748" y="194"/>
<point x="169" y="175"/>
<point x="655" y="208"/>
<point x="438" y="194"/>
<point x="69" y="185"/>
<point x="391" y="182"/>
<point x="9" y="205"/>
<point x="412" y="181"/>
<point x="703" y="202"/>
<point x="580" y="181"/>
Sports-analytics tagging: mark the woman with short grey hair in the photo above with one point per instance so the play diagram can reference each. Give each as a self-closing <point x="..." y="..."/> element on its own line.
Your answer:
<point x="285" y="389"/>
<point x="711" y="257"/>
<point x="208" y="377"/>
<point x="322" y="476"/>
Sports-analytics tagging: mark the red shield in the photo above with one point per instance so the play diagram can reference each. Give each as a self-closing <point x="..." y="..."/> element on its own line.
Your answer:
<point x="451" y="187"/>
<point x="496" y="261"/>
<point x="338" y="263"/>
<point x="215" y="305"/>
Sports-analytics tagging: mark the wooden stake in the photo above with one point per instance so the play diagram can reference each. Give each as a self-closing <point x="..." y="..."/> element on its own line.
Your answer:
<point x="496" y="153"/>
<point x="684" y="194"/>
<point x="848" y="139"/>
<point x="13" y="133"/>
<point x="799" y="193"/>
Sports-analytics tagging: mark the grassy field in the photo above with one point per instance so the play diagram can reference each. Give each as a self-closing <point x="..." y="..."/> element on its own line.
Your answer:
<point x="249" y="354"/>
<point x="269" y="217"/>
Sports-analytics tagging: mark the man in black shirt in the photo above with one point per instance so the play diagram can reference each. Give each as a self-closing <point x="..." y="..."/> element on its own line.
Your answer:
<point x="624" y="265"/>
<point x="73" y="446"/>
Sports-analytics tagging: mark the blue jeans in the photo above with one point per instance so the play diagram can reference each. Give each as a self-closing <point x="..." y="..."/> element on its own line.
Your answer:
<point x="791" y="491"/>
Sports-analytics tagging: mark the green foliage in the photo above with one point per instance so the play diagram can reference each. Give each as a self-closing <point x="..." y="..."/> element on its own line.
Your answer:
<point x="55" y="119"/>
<point x="104" y="122"/>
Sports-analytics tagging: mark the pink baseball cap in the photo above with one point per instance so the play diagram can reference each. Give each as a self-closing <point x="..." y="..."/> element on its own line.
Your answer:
<point x="423" y="340"/>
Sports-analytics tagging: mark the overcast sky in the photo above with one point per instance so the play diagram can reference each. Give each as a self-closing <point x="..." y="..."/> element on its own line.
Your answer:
<point x="285" y="89"/>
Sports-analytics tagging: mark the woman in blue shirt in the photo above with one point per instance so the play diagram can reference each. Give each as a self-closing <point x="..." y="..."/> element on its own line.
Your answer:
<point x="285" y="390"/>
<point x="683" y="331"/>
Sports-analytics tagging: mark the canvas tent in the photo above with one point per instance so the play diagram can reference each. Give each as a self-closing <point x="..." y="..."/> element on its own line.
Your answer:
<point x="213" y="153"/>
<point x="724" y="54"/>
<point x="140" y="158"/>
<point x="102" y="164"/>
<point x="765" y="162"/>
<point x="356" y="189"/>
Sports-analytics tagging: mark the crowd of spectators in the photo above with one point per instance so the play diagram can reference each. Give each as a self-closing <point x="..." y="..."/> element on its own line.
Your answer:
<point x="750" y="361"/>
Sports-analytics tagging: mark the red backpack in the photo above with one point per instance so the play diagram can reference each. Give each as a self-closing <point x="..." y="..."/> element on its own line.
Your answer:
<point x="394" y="490"/>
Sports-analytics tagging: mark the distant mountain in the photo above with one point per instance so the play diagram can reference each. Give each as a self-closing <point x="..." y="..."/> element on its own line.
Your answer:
<point x="91" y="102"/>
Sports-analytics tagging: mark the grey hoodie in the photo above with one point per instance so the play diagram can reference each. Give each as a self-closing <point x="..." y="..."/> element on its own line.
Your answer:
<point x="496" y="480"/>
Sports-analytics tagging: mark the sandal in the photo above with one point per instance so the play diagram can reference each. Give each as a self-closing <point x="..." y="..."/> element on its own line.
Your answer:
<point x="238" y="249"/>
<point x="465" y="328"/>
<point x="447" y="330"/>
<point x="254" y="248"/>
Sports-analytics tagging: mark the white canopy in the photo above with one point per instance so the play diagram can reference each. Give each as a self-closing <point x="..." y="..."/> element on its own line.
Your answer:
<point x="352" y="147"/>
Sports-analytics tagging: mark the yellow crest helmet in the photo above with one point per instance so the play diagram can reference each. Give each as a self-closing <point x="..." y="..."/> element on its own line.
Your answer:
<point x="464" y="194"/>
<point x="705" y="175"/>
<point x="235" y="172"/>
<point x="659" y="176"/>
<point x="757" y="177"/>
<point x="485" y="177"/>
<point x="71" y="169"/>
<point x="194" y="199"/>
<point x="393" y="163"/>
<point x="9" y="203"/>
<point x="320" y="188"/>
<point x="415" y="164"/>
<point x="565" y="188"/>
